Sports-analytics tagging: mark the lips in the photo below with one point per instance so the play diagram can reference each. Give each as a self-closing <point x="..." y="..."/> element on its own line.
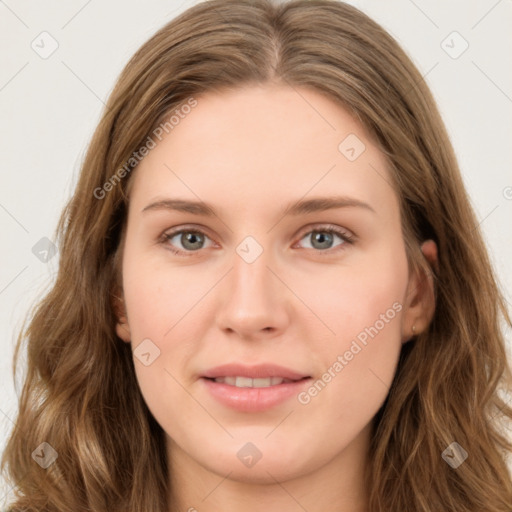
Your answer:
<point x="261" y="371"/>
<point x="253" y="388"/>
<point x="247" y="382"/>
<point x="253" y="399"/>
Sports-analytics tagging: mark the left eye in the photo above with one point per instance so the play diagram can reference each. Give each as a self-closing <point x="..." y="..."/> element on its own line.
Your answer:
<point x="321" y="238"/>
<point x="193" y="240"/>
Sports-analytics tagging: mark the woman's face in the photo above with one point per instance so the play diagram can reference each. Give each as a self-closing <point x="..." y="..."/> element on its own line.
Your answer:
<point x="260" y="280"/>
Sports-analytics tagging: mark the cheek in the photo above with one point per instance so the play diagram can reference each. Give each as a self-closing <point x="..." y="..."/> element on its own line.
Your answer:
<point x="161" y="307"/>
<point x="159" y="298"/>
<point x="351" y="298"/>
<point x="363" y="307"/>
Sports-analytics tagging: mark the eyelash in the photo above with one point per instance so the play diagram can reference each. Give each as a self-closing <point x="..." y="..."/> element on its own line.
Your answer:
<point x="347" y="239"/>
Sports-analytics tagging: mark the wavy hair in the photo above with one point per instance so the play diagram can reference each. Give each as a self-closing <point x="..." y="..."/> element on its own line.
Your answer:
<point x="80" y="392"/>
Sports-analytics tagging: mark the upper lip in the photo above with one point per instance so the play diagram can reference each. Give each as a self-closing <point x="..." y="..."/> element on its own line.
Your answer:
<point x="257" y="371"/>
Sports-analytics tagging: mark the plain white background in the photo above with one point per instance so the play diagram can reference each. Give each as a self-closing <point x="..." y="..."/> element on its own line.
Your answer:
<point x="50" y="107"/>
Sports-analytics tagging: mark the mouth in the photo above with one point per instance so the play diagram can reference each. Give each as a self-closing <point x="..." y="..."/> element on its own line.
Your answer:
<point x="247" y="382"/>
<point x="254" y="388"/>
<point x="253" y="395"/>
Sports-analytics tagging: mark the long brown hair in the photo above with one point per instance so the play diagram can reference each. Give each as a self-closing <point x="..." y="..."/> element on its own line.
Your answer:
<point x="80" y="393"/>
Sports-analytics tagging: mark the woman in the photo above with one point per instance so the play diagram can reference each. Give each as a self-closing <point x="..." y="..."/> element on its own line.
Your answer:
<point x="273" y="293"/>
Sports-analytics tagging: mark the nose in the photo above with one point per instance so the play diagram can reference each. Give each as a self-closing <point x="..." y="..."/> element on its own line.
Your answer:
<point x="254" y="303"/>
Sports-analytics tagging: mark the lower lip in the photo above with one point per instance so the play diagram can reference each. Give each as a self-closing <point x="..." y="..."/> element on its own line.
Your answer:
<point x="254" y="399"/>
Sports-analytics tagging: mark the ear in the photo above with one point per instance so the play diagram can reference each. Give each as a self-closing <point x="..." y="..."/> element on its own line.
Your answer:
<point x="420" y="299"/>
<point x="122" y="326"/>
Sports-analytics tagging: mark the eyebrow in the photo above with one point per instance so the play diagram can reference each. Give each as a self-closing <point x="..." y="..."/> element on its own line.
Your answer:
<point x="300" y="207"/>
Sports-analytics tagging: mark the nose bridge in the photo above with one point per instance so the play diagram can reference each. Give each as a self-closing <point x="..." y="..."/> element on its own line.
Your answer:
<point x="251" y="278"/>
<point x="252" y="301"/>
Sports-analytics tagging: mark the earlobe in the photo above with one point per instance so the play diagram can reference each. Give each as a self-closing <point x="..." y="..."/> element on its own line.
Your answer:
<point x="123" y="330"/>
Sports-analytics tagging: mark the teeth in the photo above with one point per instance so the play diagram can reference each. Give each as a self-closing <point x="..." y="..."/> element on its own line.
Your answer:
<point x="246" y="382"/>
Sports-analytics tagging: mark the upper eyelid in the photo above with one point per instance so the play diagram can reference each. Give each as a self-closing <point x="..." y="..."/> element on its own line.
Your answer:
<point x="325" y="227"/>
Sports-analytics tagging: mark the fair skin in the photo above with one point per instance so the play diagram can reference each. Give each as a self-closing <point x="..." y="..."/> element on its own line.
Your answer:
<point x="249" y="153"/>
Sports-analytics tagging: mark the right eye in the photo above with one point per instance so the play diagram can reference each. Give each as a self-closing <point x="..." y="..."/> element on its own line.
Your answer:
<point x="191" y="240"/>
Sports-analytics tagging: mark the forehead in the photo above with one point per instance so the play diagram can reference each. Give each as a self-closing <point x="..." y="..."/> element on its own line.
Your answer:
<point x="262" y="146"/>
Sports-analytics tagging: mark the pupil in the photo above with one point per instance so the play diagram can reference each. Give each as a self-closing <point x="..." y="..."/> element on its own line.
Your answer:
<point x="322" y="237"/>
<point x="191" y="238"/>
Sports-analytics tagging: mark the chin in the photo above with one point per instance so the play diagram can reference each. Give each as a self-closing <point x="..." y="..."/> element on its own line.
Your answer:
<point x="258" y="462"/>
